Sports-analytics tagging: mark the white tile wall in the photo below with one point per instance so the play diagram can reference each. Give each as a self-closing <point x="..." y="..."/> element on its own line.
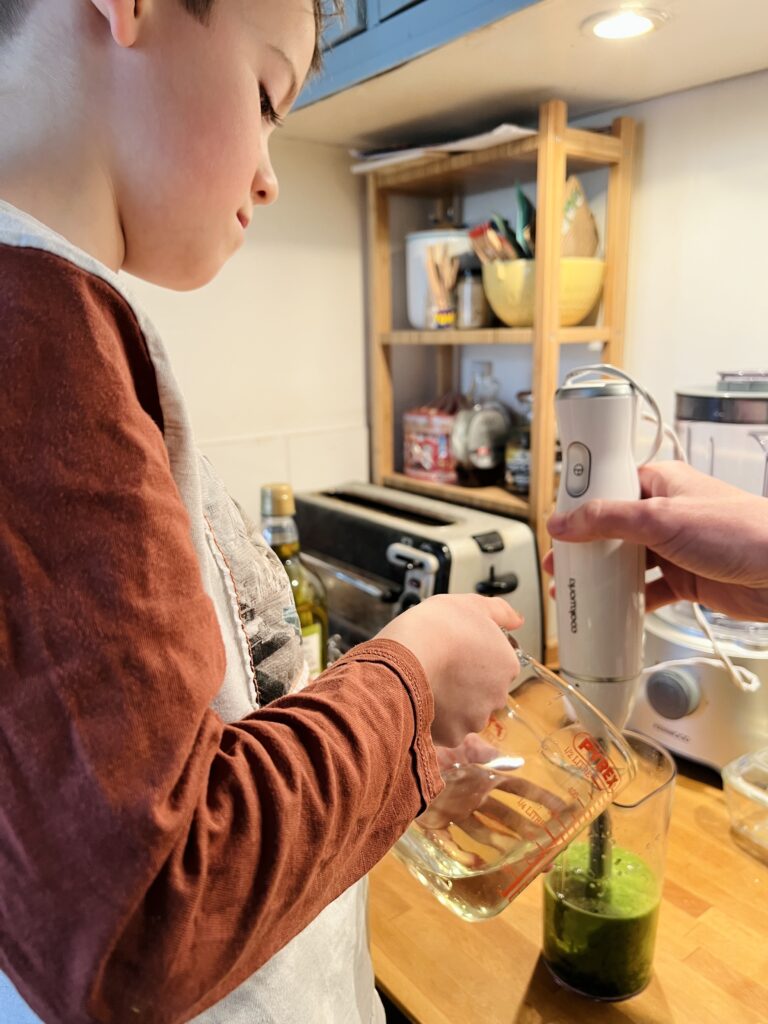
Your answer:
<point x="310" y="460"/>
<point x="328" y="457"/>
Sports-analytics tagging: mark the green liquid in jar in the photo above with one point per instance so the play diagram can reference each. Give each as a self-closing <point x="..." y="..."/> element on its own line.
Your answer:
<point x="600" y="943"/>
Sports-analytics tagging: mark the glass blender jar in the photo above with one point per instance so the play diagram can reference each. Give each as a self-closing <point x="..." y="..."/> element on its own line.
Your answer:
<point x="601" y="899"/>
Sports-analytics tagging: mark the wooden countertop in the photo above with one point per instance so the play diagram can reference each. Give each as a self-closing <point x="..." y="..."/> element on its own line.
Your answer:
<point x="711" y="963"/>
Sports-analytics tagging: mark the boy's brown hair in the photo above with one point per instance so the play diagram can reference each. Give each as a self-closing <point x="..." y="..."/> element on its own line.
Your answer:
<point x="12" y="13"/>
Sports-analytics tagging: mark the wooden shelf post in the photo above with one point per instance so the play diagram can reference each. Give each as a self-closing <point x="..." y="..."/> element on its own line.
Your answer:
<point x="546" y="349"/>
<point x="380" y="319"/>
<point x="617" y="240"/>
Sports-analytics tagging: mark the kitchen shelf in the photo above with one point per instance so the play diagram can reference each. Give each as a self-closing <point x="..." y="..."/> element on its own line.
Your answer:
<point x="499" y="166"/>
<point x="489" y="499"/>
<point x="546" y="157"/>
<point x="494" y="336"/>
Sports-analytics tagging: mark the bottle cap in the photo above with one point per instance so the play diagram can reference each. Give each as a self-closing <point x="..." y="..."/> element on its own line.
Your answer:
<point x="277" y="500"/>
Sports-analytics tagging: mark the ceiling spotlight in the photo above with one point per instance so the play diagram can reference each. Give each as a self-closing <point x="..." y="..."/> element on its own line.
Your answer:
<point x="624" y="23"/>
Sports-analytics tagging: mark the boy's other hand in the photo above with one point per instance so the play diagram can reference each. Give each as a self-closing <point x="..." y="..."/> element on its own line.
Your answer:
<point x="468" y="661"/>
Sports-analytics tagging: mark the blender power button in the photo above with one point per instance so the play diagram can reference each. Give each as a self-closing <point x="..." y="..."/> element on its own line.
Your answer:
<point x="578" y="469"/>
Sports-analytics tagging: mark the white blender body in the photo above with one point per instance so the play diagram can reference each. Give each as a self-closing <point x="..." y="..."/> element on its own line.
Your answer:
<point x="600" y="584"/>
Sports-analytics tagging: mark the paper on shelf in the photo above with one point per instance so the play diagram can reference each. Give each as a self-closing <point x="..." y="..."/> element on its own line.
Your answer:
<point x="498" y="135"/>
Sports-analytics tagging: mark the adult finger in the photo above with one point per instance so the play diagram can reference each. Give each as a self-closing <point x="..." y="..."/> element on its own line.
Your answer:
<point x="639" y="522"/>
<point x="659" y="593"/>
<point x="668" y="478"/>
<point x="548" y="565"/>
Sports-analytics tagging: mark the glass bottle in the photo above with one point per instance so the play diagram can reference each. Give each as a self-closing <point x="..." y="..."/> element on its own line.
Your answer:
<point x="472" y="309"/>
<point x="281" y="533"/>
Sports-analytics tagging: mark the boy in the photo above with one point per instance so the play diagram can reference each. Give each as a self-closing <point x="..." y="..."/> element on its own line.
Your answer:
<point x="175" y="843"/>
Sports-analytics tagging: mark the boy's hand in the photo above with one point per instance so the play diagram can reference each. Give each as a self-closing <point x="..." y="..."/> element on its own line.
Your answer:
<point x="468" y="661"/>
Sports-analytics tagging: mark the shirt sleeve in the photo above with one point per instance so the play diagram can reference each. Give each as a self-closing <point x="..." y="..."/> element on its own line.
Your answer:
<point x="151" y="857"/>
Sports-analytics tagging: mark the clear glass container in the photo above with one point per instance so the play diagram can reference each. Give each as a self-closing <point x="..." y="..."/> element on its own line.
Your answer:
<point x="602" y="897"/>
<point x="515" y="795"/>
<point x="745" y="782"/>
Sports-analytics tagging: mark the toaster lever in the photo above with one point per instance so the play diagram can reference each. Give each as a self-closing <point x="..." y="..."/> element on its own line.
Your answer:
<point x="497" y="586"/>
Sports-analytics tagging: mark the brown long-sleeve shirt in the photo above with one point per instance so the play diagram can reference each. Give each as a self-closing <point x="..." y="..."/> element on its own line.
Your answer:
<point x="152" y="857"/>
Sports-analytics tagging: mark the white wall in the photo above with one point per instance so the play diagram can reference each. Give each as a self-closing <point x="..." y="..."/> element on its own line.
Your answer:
<point x="271" y="355"/>
<point x="698" y="285"/>
<point x="698" y="265"/>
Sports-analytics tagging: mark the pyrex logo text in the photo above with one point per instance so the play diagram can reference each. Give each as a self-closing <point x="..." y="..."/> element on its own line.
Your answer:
<point x="591" y="751"/>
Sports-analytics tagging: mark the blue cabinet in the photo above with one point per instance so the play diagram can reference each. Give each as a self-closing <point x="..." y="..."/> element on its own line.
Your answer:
<point x="389" y="7"/>
<point x="354" y="20"/>
<point x="375" y="36"/>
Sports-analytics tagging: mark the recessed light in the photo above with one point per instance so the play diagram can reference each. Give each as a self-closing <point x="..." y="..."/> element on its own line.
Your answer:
<point x="624" y="23"/>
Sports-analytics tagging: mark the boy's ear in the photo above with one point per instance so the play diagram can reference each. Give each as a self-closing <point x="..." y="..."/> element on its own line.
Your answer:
<point x="124" y="17"/>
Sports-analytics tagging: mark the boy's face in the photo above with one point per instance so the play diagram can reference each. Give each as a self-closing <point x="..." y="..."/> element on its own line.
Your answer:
<point x="191" y="124"/>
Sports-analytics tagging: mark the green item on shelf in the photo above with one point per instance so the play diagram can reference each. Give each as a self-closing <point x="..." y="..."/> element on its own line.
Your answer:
<point x="502" y="227"/>
<point x="526" y="223"/>
<point x="599" y="937"/>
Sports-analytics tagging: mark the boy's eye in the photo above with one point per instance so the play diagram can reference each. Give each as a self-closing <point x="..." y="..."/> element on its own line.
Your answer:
<point x="268" y="111"/>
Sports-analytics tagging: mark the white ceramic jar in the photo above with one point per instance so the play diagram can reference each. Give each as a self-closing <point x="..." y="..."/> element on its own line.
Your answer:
<point x="417" y="245"/>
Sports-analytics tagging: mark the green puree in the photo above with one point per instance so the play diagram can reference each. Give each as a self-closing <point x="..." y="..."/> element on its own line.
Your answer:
<point x="601" y="943"/>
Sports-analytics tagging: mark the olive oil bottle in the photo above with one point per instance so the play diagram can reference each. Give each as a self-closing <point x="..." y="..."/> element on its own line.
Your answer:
<point x="281" y="533"/>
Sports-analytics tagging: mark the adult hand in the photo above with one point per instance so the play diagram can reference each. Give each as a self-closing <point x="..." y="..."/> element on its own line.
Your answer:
<point x="709" y="540"/>
<point x="468" y="661"/>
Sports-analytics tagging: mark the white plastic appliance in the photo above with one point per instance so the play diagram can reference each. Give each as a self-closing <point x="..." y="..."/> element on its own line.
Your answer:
<point x="724" y="429"/>
<point x="687" y="698"/>
<point x="694" y="709"/>
<point x="600" y="584"/>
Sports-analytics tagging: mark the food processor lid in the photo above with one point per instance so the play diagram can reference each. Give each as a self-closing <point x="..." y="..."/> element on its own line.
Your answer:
<point x="749" y="637"/>
<point x="743" y="380"/>
<point x="595" y="389"/>
<point x="740" y="396"/>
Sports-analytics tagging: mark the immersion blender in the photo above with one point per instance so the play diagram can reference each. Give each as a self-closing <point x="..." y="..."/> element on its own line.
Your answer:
<point x="600" y="585"/>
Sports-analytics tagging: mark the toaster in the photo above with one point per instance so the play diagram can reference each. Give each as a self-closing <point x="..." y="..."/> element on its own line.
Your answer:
<point x="380" y="551"/>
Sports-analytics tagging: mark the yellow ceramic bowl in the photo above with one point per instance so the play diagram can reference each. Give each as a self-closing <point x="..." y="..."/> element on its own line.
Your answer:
<point x="510" y="287"/>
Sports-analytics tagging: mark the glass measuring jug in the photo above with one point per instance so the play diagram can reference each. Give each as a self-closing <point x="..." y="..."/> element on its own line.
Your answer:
<point x="601" y="899"/>
<point x="515" y="795"/>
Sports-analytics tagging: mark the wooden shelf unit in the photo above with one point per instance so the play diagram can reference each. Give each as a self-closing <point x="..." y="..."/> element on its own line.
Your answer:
<point x="489" y="499"/>
<point x="494" y="336"/>
<point x="546" y="157"/>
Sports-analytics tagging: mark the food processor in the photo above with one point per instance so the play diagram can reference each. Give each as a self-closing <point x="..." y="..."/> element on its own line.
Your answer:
<point x="686" y="699"/>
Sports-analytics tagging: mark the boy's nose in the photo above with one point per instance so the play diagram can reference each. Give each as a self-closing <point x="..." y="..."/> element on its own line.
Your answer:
<point x="265" y="188"/>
